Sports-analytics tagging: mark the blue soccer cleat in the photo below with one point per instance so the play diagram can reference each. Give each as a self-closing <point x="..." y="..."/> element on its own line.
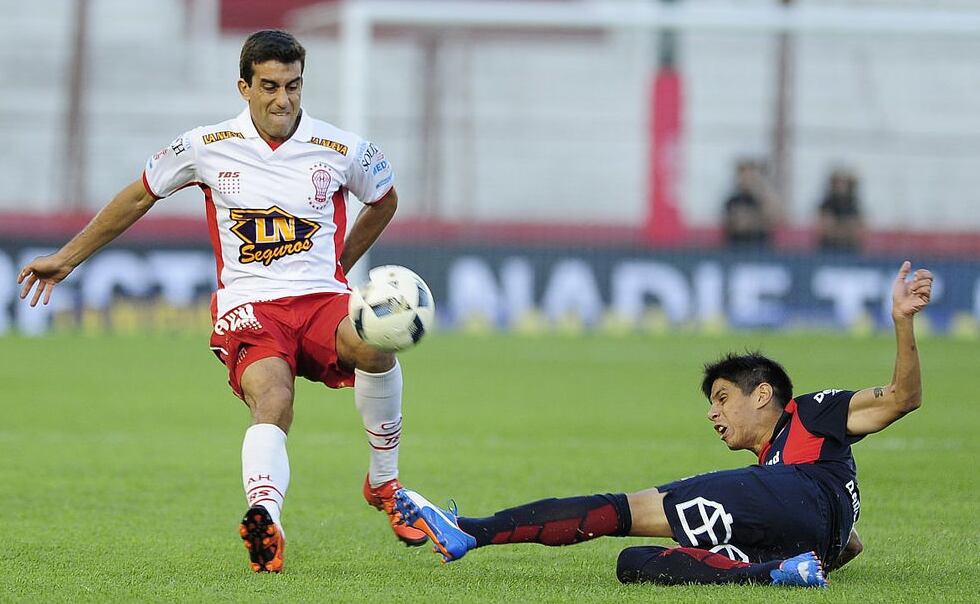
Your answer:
<point x="439" y="524"/>
<point x="804" y="570"/>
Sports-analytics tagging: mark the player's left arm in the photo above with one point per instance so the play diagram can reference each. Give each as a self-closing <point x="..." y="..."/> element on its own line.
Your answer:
<point x="367" y="228"/>
<point x="874" y="409"/>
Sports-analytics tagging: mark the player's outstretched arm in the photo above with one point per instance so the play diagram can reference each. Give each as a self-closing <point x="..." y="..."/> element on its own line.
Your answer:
<point x="874" y="409"/>
<point x="117" y="216"/>
<point x="367" y="228"/>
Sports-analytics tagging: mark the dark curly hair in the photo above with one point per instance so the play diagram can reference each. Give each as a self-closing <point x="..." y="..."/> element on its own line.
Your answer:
<point x="748" y="371"/>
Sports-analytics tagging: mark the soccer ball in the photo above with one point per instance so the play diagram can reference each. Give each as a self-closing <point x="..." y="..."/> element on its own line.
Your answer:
<point x="393" y="310"/>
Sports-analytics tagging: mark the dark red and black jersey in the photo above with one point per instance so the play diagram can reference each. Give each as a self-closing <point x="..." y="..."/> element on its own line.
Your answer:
<point x="812" y="433"/>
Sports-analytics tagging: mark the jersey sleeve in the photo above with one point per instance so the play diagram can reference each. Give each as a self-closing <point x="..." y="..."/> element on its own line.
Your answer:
<point x="370" y="176"/>
<point x="825" y="413"/>
<point x="171" y="168"/>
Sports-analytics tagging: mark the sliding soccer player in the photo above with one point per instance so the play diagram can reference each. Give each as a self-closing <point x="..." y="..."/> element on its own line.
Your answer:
<point x="770" y="523"/>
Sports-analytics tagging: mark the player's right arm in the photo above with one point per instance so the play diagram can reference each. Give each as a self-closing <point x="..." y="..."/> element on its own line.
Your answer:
<point x="117" y="216"/>
<point x="874" y="409"/>
<point x="168" y="170"/>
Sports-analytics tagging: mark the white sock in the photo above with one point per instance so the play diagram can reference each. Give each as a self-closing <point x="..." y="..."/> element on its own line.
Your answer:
<point x="265" y="468"/>
<point x="378" y="397"/>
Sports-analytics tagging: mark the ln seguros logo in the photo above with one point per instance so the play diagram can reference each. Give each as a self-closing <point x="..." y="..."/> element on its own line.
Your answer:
<point x="271" y="234"/>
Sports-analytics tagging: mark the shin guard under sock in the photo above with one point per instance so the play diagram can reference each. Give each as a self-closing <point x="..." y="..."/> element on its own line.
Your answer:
<point x="554" y="521"/>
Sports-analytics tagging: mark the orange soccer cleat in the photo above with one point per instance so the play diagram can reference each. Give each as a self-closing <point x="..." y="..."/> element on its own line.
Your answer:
<point x="383" y="498"/>
<point x="263" y="540"/>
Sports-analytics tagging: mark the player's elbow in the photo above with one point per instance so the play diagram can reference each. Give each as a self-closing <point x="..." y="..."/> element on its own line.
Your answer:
<point x="910" y="402"/>
<point x="854" y="546"/>
<point x="905" y="400"/>
<point x="143" y="204"/>
<point x="390" y="201"/>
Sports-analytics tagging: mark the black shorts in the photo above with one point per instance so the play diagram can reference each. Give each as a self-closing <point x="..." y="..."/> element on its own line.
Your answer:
<point x="753" y="514"/>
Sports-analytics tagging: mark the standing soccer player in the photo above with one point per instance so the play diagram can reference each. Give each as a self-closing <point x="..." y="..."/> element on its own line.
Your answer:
<point x="275" y="183"/>
<point x="748" y="525"/>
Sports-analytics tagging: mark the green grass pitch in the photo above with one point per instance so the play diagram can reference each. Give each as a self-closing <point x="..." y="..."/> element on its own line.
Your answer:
<point x="121" y="479"/>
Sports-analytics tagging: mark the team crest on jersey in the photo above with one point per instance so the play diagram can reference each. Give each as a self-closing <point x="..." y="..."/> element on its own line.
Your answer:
<point x="271" y="234"/>
<point x="320" y="175"/>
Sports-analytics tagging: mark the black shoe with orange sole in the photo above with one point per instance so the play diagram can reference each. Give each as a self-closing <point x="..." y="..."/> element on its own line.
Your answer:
<point x="263" y="540"/>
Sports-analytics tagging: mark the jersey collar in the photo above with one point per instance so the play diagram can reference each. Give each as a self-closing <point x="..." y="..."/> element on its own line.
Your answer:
<point x="245" y="125"/>
<point x="781" y="423"/>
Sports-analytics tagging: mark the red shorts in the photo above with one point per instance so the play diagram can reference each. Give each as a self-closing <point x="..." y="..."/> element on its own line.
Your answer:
<point x="301" y="330"/>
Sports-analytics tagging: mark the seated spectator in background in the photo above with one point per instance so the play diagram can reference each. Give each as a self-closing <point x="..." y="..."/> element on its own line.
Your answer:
<point x="747" y="212"/>
<point x="840" y="226"/>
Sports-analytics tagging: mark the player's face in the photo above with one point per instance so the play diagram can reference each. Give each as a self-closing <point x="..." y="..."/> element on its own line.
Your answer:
<point x="273" y="97"/>
<point x="734" y="414"/>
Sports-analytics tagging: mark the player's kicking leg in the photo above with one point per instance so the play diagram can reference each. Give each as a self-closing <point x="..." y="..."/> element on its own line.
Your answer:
<point x="378" y="397"/>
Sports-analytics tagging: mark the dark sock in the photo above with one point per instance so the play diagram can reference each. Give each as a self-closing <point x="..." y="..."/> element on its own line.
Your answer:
<point x="554" y="521"/>
<point x="680" y="565"/>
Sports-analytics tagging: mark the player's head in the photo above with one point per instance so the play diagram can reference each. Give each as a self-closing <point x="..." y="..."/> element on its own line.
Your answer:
<point x="746" y="393"/>
<point x="271" y="70"/>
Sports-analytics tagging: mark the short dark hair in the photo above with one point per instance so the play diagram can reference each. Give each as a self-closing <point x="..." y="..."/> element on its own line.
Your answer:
<point x="748" y="371"/>
<point x="270" y="45"/>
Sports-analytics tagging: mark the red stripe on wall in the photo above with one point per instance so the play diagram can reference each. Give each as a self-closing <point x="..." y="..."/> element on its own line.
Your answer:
<point x="212" y="216"/>
<point x="55" y="227"/>
<point x="665" y="222"/>
<point x="801" y="445"/>
<point x="340" y="222"/>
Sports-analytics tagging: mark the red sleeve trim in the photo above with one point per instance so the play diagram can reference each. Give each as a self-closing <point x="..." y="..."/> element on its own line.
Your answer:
<point x="146" y="185"/>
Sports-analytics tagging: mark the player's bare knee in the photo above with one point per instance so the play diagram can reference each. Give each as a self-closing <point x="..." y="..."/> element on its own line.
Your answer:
<point x="355" y="352"/>
<point x="271" y="404"/>
<point x="647" y="511"/>
<point x="373" y="360"/>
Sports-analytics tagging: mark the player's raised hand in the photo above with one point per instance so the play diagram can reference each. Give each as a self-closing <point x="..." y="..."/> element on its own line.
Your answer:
<point x="45" y="272"/>
<point x="909" y="296"/>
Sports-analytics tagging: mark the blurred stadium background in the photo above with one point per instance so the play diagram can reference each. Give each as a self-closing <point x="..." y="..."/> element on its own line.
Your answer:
<point x="562" y="168"/>
<point x="562" y="164"/>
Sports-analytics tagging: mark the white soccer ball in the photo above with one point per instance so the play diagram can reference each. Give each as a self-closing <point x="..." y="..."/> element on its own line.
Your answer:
<point x="393" y="310"/>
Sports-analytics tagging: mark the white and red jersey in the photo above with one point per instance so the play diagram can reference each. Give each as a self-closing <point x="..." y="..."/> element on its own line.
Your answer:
<point x="277" y="217"/>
